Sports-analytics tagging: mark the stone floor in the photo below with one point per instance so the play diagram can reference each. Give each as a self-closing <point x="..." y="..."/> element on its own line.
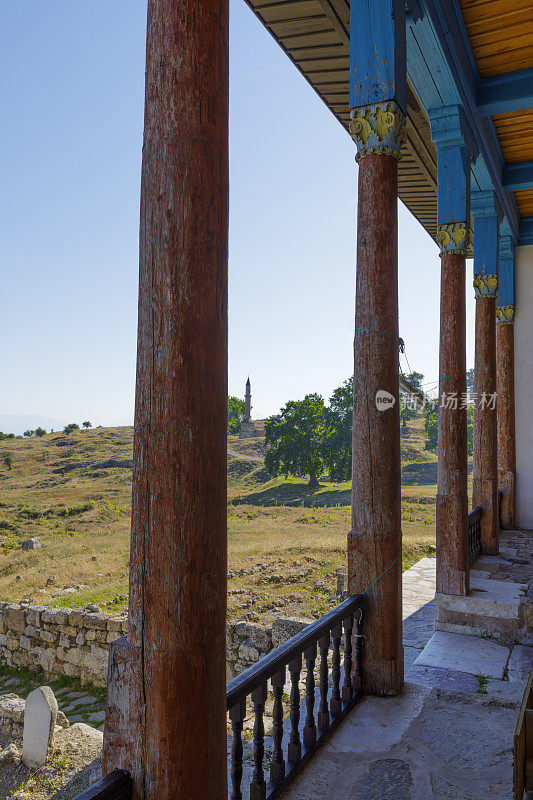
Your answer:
<point x="449" y="735"/>
<point x="78" y="706"/>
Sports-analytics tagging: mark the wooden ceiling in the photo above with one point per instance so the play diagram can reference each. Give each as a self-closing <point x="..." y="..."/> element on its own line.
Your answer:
<point x="315" y="36"/>
<point x="501" y="35"/>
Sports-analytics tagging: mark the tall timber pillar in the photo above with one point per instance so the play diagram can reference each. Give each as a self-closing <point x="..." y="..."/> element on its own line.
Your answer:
<point x="485" y="473"/>
<point x="166" y="714"/>
<point x="378" y="101"/>
<point x="505" y="383"/>
<point x="455" y="147"/>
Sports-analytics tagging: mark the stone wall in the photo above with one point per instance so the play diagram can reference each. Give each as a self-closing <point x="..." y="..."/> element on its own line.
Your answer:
<point x="75" y="642"/>
<point x="61" y="641"/>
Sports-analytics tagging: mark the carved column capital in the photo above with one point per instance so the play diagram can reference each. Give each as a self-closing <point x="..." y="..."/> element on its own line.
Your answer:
<point x="505" y="315"/>
<point x="378" y="128"/>
<point x="454" y="238"/>
<point x="486" y="285"/>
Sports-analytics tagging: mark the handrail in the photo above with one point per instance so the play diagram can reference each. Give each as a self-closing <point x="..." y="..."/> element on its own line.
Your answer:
<point x="474" y="534"/>
<point x="335" y="700"/>
<point x="251" y="678"/>
<point x="115" y="786"/>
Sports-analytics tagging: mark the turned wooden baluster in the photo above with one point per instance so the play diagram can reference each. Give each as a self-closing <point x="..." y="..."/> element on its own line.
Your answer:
<point x="258" y="783"/>
<point x="294" y="750"/>
<point x="357" y="645"/>
<point x="347" y="692"/>
<point x="277" y="767"/>
<point x="309" y="726"/>
<point x="237" y="715"/>
<point x="335" y="703"/>
<point x="323" y="712"/>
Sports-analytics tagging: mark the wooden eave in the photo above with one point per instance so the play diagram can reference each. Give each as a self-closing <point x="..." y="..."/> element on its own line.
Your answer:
<point x="315" y="36"/>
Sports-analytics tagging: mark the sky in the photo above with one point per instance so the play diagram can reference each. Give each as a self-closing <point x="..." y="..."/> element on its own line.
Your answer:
<point x="73" y="92"/>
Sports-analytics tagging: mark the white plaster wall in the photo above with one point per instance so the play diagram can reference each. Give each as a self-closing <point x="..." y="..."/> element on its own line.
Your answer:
<point x="523" y="352"/>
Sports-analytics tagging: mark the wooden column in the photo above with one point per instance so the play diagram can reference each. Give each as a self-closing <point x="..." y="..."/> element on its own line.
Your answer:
<point x="452" y="498"/>
<point x="378" y="88"/>
<point x="485" y="471"/>
<point x="166" y="716"/>
<point x="505" y="384"/>
<point x="455" y="147"/>
<point x="374" y="543"/>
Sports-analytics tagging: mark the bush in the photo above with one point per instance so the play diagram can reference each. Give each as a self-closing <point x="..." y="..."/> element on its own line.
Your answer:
<point x="71" y="427"/>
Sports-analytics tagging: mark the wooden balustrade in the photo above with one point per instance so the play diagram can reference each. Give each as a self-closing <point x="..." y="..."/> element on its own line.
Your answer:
<point x="297" y="738"/>
<point x="474" y="534"/>
<point x="115" y="786"/>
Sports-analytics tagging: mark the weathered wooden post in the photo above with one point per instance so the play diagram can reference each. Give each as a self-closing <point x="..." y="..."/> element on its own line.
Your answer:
<point x="485" y="474"/>
<point x="505" y="403"/>
<point x="166" y="715"/>
<point x="378" y="100"/>
<point x="455" y="148"/>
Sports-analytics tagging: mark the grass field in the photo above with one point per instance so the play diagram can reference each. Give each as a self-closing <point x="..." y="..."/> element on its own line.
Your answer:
<point x="285" y="546"/>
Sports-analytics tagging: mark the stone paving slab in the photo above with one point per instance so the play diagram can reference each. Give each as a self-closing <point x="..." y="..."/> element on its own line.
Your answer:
<point x="469" y="654"/>
<point x="420" y="746"/>
<point x="520" y="663"/>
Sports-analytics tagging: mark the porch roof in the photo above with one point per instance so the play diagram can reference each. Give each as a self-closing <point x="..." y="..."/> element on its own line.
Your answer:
<point x="473" y="53"/>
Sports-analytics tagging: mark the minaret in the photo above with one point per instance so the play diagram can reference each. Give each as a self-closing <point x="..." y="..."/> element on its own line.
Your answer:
<point x="247" y="426"/>
<point x="248" y="402"/>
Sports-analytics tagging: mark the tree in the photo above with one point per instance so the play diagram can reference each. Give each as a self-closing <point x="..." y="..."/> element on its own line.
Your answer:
<point x="470" y="381"/>
<point x="235" y="414"/>
<point x="87" y="425"/>
<point x="8" y="461"/>
<point x="408" y="408"/>
<point x="71" y="427"/>
<point x="295" y="439"/>
<point x="338" y="441"/>
<point x="40" y="432"/>
<point x="432" y="429"/>
<point x="29" y="434"/>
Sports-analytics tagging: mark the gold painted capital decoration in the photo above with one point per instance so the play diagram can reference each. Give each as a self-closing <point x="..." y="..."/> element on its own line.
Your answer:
<point x="505" y="315"/>
<point x="485" y="285"/>
<point x="379" y="128"/>
<point x="456" y="238"/>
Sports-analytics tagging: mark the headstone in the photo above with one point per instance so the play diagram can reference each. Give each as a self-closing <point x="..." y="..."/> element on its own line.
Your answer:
<point x="40" y="717"/>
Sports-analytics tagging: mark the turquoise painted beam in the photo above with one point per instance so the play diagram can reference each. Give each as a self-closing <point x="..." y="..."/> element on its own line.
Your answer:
<point x="526" y="231"/>
<point x="377" y="53"/>
<point x="487" y="217"/>
<point x="500" y="94"/>
<point x="506" y="296"/>
<point x="518" y="176"/>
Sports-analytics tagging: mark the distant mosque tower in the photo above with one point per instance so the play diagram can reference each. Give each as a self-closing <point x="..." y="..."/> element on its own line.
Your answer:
<point x="247" y="426"/>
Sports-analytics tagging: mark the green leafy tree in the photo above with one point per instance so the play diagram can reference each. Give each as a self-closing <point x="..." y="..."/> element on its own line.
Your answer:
<point x="71" y="427"/>
<point x="470" y="381"/>
<point x="235" y="414"/>
<point x="8" y="461"/>
<point x="87" y="425"/>
<point x="338" y="441"/>
<point x="28" y="434"/>
<point x="432" y="429"/>
<point x="40" y="432"/>
<point x="407" y="411"/>
<point x="295" y="439"/>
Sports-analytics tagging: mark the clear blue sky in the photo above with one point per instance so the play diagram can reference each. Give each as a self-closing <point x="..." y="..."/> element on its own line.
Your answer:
<point x="73" y="86"/>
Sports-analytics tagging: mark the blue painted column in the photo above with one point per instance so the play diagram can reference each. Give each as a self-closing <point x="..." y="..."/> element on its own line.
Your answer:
<point x="505" y="306"/>
<point x="378" y="101"/>
<point x="486" y="215"/>
<point x="455" y="149"/>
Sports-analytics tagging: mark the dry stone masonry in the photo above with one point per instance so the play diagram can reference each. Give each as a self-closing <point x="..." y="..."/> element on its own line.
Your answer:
<point x="75" y="642"/>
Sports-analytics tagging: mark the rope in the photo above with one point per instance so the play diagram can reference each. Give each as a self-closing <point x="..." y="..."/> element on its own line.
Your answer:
<point x="362" y="330"/>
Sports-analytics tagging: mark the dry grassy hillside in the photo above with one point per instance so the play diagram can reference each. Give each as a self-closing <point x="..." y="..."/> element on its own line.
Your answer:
<point x="74" y="493"/>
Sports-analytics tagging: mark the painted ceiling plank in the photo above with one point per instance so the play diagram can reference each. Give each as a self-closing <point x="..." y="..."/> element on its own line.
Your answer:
<point x="512" y="91"/>
<point x="518" y="176"/>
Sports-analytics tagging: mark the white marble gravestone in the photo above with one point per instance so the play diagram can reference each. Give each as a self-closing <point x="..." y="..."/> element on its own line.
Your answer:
<point x="40" y="717"/>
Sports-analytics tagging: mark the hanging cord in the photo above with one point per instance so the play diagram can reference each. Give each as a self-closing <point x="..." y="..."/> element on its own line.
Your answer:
<point x="363" y="594"/>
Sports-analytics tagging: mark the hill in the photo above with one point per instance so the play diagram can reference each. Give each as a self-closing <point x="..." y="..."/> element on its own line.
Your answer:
<point x="74" y="494"/>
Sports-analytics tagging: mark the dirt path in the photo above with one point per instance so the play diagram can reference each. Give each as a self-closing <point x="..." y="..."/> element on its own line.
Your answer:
<point x="242" y="455"/>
